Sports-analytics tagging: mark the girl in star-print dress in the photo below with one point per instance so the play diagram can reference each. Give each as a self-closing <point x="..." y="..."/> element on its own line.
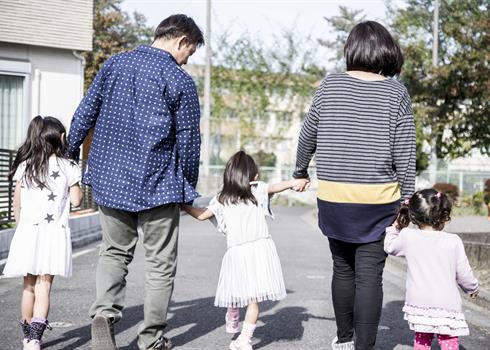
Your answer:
<point x="46" y="183"/>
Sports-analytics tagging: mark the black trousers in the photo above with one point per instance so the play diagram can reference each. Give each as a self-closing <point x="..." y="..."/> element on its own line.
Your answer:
<point x="357" y="290"/>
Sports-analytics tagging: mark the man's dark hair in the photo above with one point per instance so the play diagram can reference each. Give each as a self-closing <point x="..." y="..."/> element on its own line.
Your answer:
<point x="371" y="48"/>
<point x="178" y="25"/>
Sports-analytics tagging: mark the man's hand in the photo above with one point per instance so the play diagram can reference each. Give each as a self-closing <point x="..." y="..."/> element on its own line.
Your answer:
<point x="300" y="185"/>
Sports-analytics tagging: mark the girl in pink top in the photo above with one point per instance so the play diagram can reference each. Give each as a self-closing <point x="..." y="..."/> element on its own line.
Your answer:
<point x="436" y="265"/>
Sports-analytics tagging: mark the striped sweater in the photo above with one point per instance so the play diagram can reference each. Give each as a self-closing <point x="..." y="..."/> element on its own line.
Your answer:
<point x="363" y="134"/>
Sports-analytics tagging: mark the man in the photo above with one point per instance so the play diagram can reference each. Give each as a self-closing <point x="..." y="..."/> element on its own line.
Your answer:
<point x="143" y="161"/>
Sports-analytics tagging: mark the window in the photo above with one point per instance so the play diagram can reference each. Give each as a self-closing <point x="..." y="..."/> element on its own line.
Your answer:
<point x="11" y="110"/>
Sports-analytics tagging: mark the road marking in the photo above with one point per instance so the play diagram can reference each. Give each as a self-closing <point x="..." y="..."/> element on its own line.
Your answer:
<point x="60" y="324"/>
<point x="85" y="251"/>
<point x="316" y="277"/>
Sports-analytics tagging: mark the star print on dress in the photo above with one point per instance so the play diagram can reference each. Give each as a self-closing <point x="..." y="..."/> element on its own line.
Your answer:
<point x="41" y="186"/>
<point x="55" y="174"/>
<point x="51" y="196"/>
<point x="49" y="218"/>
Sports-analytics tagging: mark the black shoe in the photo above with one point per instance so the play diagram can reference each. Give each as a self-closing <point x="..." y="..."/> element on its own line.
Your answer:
<point x="103" y="333"/>
<point x="26" y="329"/>
<point x="162" y="344"/>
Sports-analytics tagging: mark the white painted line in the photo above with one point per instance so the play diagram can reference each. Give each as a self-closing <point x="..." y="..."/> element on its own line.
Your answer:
<point x="60" y="324"/>
<point x="85" y="251"/>
<point x="316" y="277"/>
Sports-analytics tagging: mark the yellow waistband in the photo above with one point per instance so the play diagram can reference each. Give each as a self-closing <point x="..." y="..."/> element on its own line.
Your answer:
<point x="339" y="192"/>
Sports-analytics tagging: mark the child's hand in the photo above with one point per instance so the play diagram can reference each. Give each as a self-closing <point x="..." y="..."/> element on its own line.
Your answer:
<point x="474" y="295"/>
<point x="300" y="185"/>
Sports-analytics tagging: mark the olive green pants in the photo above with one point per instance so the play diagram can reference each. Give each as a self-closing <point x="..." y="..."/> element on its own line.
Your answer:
<point x="160" y="228"/>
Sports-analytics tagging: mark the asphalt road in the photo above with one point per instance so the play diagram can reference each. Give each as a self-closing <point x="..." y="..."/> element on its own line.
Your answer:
<point x="304" y="320"/>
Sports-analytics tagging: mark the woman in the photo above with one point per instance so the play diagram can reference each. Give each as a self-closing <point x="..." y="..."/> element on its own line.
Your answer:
<point x="361" y="127"/>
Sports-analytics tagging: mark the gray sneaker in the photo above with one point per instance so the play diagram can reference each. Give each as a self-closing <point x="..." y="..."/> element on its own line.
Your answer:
<point x="342" y="346"/>
<point x="103" y="333"/>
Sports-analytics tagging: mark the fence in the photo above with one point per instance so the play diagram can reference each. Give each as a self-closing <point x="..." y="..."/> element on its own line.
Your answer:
<point x="468" y="182"/>
<point x="7" y="190"/>
<point x="6" y="187"/>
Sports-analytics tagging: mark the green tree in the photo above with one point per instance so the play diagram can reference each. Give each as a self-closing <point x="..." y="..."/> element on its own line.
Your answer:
<point x="342" y="24"/>
<point x="253" y="82"/>
<point x="114" y="31"/>
<point x="451" y="100"/>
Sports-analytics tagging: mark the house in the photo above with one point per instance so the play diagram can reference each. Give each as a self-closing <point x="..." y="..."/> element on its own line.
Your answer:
<point x="41" y="69"/>
<point x="41" y="73"/>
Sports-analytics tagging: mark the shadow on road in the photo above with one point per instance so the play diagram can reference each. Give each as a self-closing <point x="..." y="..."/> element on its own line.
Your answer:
<point x="395" y="331"/>
<point x="286" y="324"/>
<point x="202" y="315"/>
<point x="132" y="316"/>
<point x="199" y="317"/>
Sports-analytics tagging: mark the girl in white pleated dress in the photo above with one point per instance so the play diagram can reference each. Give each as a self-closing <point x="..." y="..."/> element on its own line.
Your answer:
<point x="250" y="270"/>
<point x="41" y="247"/>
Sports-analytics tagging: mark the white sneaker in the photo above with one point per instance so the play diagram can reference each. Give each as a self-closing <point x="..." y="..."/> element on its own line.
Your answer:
<point x="240" y="345"/>
<point x="342" y="346"/>
<point x="33" y="345"/>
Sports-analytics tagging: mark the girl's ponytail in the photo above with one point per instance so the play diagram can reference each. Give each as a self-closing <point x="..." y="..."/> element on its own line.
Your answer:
<point x="403" y="219"/>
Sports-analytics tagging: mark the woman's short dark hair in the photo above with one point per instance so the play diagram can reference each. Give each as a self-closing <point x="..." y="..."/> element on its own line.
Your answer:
<point x="178" y="25"/>
<point x="371" y="48"/>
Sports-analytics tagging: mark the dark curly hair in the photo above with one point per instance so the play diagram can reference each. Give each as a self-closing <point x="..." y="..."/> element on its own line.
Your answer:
<point x="425" y="208"/>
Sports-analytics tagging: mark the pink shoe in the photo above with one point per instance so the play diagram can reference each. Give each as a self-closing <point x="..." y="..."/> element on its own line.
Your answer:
<point x="232" y="323"/>
<point x="240" y="345"/>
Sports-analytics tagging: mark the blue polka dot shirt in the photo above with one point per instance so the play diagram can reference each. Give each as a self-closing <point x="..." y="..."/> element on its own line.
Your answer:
<point x="146" y="144"/>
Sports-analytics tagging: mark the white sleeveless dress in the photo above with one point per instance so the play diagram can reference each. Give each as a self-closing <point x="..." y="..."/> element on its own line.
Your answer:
<point x="42" y="241"/>
<point x="250" y="269"/>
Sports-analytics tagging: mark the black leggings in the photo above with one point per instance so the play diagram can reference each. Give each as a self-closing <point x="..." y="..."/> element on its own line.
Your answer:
<point x="357" y="290"/>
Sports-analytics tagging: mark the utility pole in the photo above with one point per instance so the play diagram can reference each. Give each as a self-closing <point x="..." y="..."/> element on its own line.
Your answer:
<point x="207" y="95"/>
<point x="433" y="143"/>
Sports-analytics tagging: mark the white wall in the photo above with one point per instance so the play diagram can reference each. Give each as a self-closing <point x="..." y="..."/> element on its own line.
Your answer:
<point x="55" y="80"/>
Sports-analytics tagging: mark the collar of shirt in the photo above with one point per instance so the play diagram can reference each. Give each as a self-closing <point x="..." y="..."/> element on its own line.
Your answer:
<point x="155" y="51"/>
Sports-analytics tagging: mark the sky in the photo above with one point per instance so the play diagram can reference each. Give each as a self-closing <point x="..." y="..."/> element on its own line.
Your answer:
<point x="258" y="17"/>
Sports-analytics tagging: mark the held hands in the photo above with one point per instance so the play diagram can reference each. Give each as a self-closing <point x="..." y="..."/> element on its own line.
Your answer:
<point x="300" y="185"/>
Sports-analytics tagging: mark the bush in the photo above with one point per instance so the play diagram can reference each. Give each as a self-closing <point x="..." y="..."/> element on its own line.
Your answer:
<point x="264" y="158"/>
<point x="452" y="191"/>
<point x="477" y="203"/>
<point x="4" y="225"/>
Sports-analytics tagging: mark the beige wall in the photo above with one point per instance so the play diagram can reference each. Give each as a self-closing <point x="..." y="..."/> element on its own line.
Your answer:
<point x="63" y="24"/>
<point x="53" y="80"/>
